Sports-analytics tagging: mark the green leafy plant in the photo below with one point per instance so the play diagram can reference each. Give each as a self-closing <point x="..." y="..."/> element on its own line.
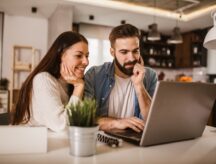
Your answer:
<point x="82" y="114"/>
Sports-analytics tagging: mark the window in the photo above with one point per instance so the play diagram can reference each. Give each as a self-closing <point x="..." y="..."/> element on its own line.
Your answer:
<point x="98" y="52"/>
<point x="99" y="45"/>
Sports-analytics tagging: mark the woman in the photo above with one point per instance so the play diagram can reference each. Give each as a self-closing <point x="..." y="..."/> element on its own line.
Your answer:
<point x="55" y="82"/>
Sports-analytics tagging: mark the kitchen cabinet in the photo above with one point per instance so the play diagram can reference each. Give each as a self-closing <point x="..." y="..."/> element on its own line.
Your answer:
<point x="189" y="54"/>
<point x="199" y="53"/>
<point x="157" y="54"/>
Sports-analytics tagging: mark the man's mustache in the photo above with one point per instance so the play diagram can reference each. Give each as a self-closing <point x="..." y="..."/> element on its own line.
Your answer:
<point x="131" y="63"/>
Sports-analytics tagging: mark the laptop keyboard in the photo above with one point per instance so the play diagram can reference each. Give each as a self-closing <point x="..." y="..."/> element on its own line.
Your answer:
<point x="130" y="133"/>
<point x="127" y="135"/>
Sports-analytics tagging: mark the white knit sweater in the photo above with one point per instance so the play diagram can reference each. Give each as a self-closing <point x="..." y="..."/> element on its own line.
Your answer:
<point x="49" y="97"/>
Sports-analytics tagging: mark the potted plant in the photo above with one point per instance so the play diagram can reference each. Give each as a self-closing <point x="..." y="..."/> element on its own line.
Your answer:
<point x="82" y="127"/>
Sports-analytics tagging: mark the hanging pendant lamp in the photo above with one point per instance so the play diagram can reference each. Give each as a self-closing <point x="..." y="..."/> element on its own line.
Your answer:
<point x="176" y="37"/>
<point x="210" y="39"/>
<point x="153" y="34"/>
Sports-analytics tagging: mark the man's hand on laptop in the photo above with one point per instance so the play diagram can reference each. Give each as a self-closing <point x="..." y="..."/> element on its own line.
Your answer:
<point x="133" y="123"/>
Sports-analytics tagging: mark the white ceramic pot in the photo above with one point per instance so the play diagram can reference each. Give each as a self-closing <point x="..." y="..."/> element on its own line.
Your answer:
<point x="83" y="140"/>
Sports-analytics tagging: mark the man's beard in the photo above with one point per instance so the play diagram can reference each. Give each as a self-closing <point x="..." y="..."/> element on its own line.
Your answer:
<point x="127" y="71"/>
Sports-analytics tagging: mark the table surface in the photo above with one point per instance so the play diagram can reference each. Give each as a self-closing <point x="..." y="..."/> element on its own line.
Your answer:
<point x="200" y="150"/>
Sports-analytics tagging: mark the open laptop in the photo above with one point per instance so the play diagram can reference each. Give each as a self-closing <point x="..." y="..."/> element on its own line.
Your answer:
<point x="179" y="111"/>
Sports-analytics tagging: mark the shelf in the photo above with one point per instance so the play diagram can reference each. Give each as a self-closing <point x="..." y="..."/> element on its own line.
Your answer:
<point x="25" y="59"/>
<point x="159" y="56"/>
<point x="22" y="47"/>
<point x="182" y="55"/>
<point x="22" y="67"/>
<point x="159" y="43"/>
<point x="4" y="101"/>
<point x="160" y="67"/>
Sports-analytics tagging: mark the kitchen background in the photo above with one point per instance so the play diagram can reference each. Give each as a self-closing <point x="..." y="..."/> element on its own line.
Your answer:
<point x="28" y="27"/>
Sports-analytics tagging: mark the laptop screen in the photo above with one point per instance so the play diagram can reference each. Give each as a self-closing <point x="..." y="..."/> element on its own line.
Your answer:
<point x="179" y="111"/>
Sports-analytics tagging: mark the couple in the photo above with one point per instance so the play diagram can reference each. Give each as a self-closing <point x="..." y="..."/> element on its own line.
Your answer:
<point x="122" y="89"/>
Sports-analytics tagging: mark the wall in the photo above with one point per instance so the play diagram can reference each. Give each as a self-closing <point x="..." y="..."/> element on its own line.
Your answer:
<point x="26" y="31"/>
<point x="211" y="66"/>
<point x="95" y="31"/>
<point x="60" y="21"/>
<point x="1" y="39"/>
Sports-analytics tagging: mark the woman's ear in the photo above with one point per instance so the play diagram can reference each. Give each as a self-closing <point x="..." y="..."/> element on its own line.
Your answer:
<point x="63" y="57"/>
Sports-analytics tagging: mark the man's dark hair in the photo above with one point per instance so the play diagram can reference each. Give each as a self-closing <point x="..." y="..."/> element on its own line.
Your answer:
<point x="123" y="31"/>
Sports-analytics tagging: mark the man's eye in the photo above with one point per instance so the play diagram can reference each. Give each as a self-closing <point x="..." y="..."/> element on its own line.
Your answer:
<point x="124" y="52"/>
<point x="136" y="52"/>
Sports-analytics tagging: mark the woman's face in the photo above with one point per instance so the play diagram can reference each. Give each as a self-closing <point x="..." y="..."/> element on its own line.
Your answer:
<point x="75" y="58"/>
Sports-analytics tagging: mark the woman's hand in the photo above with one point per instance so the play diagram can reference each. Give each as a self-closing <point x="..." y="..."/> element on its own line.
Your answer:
<point x="70" y="78"/>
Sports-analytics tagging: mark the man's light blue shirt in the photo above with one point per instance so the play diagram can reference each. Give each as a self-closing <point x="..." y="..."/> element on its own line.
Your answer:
<point x="99" y="81"/>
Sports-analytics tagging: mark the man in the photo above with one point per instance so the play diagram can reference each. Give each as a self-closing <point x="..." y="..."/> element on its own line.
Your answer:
<point x="123" y="88"/>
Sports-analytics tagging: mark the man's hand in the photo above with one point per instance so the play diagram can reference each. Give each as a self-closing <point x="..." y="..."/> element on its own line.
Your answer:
<point x="143" y="97"/>
<point x="138" y="74"/>
<point x="134" y="123"/>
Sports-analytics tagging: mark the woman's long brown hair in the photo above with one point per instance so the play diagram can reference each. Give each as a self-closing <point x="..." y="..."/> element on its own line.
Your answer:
<point x="51" y="64"/>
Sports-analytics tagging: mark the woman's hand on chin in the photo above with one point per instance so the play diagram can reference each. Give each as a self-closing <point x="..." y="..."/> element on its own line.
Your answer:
<point x="70" y="78"/>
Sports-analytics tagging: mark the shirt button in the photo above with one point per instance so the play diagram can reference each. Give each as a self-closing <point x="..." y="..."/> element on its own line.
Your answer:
<point x="102" y="99"/>
<point x="110" y="86"/>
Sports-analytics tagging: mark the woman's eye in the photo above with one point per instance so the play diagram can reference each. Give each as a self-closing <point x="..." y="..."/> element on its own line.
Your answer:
<point x="78" y="56"/>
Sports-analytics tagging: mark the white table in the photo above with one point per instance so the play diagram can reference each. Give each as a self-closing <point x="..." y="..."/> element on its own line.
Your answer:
<point x="201" y="150"/>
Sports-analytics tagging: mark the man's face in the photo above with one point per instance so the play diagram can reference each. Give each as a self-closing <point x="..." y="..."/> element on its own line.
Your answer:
<point x="126" y="54"/>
